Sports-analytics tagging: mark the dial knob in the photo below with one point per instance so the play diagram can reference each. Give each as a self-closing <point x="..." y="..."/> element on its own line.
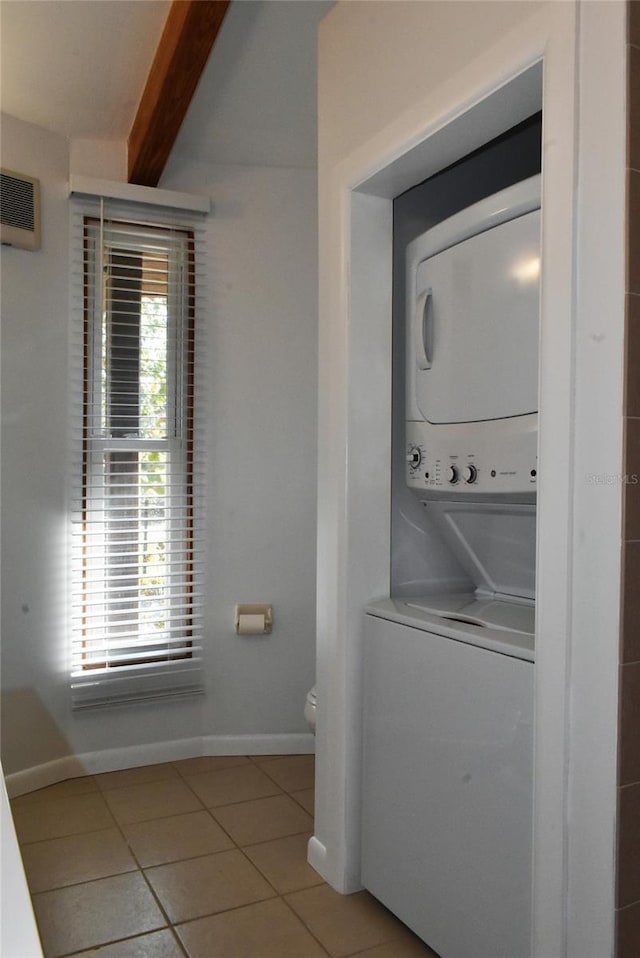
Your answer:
<point x="414" y="457"/>
<point x="452" y="474"/>
<point x="470" y="474"/>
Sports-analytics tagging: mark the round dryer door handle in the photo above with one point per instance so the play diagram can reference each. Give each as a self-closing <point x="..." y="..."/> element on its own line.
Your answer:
<point x="423" y="329"/>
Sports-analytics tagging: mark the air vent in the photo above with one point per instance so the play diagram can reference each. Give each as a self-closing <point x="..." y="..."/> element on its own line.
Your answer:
<point x="19" y="210"/>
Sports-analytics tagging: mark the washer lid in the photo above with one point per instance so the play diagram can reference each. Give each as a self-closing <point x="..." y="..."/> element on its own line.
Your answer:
<point x="423" y="613"/>
<point x="494" y="542"/>
<point x="518" y="616"/>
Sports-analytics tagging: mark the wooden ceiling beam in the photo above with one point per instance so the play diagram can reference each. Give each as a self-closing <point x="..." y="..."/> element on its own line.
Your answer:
<point x="188" y="36"/>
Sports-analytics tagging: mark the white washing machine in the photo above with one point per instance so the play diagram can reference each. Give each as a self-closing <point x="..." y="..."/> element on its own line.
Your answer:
<point x="447" y="790"/>
<point x="447" y="774"/>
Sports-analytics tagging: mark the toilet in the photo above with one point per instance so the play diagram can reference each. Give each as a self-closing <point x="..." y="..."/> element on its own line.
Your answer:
<point x="310" y="709"/>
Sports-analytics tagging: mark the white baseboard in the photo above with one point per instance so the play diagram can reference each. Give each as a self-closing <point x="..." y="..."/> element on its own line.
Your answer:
<point x="303" y="743"/>
<point x="317" y="855"/>
<point x="132" y="756"/>
<point x="318" y="858"/>
<point x="39" y="776"/>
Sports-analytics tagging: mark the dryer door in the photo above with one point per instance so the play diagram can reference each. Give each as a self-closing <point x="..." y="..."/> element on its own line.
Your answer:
<point x="474" y="318"/>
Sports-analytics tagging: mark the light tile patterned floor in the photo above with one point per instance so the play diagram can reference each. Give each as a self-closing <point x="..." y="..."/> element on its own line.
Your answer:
<point x="204" y="858"/>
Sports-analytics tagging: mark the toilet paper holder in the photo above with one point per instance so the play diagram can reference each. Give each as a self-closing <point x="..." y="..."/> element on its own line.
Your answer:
<point x="254" y="618"/>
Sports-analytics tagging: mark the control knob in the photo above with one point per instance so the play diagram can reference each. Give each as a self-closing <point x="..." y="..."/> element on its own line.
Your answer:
<point x="470" y="474"/>
<point x="414" y="457"/>
<point x="452" y="474"/>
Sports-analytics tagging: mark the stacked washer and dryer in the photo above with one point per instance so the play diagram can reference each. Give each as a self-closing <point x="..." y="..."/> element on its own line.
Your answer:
<point x="448" y="678"/>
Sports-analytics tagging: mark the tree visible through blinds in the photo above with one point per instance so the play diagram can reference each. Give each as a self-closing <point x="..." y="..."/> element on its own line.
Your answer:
<point x="135" y="608"/>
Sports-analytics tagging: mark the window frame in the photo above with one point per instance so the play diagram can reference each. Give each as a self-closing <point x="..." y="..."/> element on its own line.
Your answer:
<point x="176" y="669"/>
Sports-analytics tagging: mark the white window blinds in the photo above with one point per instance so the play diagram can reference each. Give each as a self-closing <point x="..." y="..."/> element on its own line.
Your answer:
<point x="137" y="463"/>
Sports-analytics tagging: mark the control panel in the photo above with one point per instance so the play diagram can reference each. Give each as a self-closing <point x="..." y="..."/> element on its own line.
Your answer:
<point x="498" y="457"/>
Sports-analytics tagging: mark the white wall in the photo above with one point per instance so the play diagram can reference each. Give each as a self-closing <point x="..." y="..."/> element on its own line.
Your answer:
<point x="249" y="142"/>
<point x="261" y="490"/>
<point x="380" y="58"/>
<point x="261" y="400"/>
<point x="34" y="374"/>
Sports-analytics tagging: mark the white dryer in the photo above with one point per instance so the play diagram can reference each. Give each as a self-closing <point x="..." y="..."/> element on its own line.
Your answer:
<point x="472" y="325"/>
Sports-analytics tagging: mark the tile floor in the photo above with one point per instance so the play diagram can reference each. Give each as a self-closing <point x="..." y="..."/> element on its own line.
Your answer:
<point x="204" y="858"/>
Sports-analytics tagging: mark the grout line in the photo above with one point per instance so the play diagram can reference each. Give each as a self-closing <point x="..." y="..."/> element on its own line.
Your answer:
<point x="303" y="922"/>
<point x="116" y="941"/>
<point x="238" y="762"/>
<point x="226" y="911"/>
<point x="122" y="788"/>
<point x="57" y="794"/>
<point x="36" y="798"/>
<point x="267" y="841"/>
<point x="58" y="838"/>
<point x="160" y="818"/>
<point x="221" y="826"/>
<point x="279" y="838"/>
<point x="293" y="796"/>
<point x="77" y="884"/>
<point x="243" y="801"/>
<point x="170" y="924"/>
<point x="176" y="938"/>
<point x="89" y="831"/>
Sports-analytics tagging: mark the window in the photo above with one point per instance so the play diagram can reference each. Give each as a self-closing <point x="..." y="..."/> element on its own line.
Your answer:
<point x="135" y="617"/>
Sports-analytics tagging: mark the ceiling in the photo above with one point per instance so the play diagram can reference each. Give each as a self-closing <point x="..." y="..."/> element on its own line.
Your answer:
<point x="78" y="67"/>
